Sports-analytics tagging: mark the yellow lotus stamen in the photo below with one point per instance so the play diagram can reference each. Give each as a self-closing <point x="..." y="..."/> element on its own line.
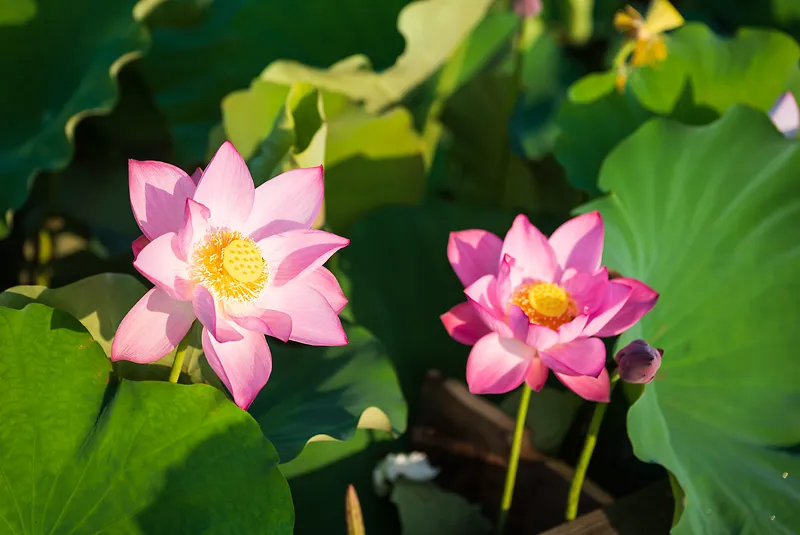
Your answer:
<point x="545" y="304"/>
<point x="230" y="266"/>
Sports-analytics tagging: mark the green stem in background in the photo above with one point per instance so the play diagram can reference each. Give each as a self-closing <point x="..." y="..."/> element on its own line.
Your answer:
<point x="45" y="256"/>
<point x="586" y="455"/>
<point x="513" y="460"/>
<point x="177" y="364"/>
<point x="526" y="33"/>
<point x="580" y="21"/>
<point x="622" y="55"/>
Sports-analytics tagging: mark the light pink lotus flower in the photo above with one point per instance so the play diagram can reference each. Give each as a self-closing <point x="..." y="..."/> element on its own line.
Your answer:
<point x="243" y="261"/>
<point x="535" y="304"/>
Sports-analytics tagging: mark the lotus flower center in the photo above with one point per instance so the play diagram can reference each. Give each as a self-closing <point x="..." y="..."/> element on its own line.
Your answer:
<point x="230" y="266"/>
<point x="545" y="304"/>
<point x="548" y="299"/>
<point x="242" y="260"/>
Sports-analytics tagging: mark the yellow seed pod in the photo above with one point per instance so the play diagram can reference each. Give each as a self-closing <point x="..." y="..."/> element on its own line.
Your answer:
<point x="243" y="261"/>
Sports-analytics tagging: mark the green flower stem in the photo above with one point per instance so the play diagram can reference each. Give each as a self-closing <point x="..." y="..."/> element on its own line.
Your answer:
<point x="580" y="21"/>
<point x="44" y="256"/>
<point x="622" y="55"/>
<point x="177" y="364"/>
<point x="527" y="31"/>
<point x="513" y="460"/>
<point x="586" y="454"/>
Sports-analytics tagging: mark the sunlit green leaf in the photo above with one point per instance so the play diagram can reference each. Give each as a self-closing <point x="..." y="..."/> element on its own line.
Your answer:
<point x="204" y="50"/>
<point x="432" y="30"/>
<point x="708" y="217"/>
<point x="370" y="160"/>
<point x="100" y="302"/>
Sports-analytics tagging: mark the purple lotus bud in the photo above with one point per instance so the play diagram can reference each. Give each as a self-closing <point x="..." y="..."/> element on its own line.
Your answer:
<point x="638" y="362"/>
<point x="527" y="8"/>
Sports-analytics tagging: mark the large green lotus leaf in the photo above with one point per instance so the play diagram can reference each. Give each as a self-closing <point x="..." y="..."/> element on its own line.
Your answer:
<point x="751" y="68"/>
<point x="276" y="127"/>
<point x="79" y="455"/>
<point x="370" y="159"/>
<point x="708" y="216"/>
<point x="250" y="115"/>
<point x="701" y="78"/>
<point x="204" y="50"/>
<point x="783" y="14"/>
<point x="327" y="392"/>
<point x="49" y="87"/>
<point x="591" y="128"/>
<point x="313" y="390"/>
<point x="100" y="302"/>
<point x="433" y="29"/>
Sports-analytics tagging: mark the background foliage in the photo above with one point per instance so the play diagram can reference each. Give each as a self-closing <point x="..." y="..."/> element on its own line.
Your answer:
<point x="428" y="116"/>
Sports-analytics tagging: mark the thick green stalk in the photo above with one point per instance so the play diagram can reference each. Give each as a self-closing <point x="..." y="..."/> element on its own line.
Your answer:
<point x="177" y="364"/>
<point x="513" y="460"/>
<point x="586" y="455"/>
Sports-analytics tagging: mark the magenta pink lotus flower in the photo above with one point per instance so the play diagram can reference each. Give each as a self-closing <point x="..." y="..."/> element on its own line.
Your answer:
<point x="535" y="304"/>
<point x="243" y="261"/>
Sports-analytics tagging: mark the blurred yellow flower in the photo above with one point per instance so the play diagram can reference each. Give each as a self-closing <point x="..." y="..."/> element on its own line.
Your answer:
<point x="644" y="40"/>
